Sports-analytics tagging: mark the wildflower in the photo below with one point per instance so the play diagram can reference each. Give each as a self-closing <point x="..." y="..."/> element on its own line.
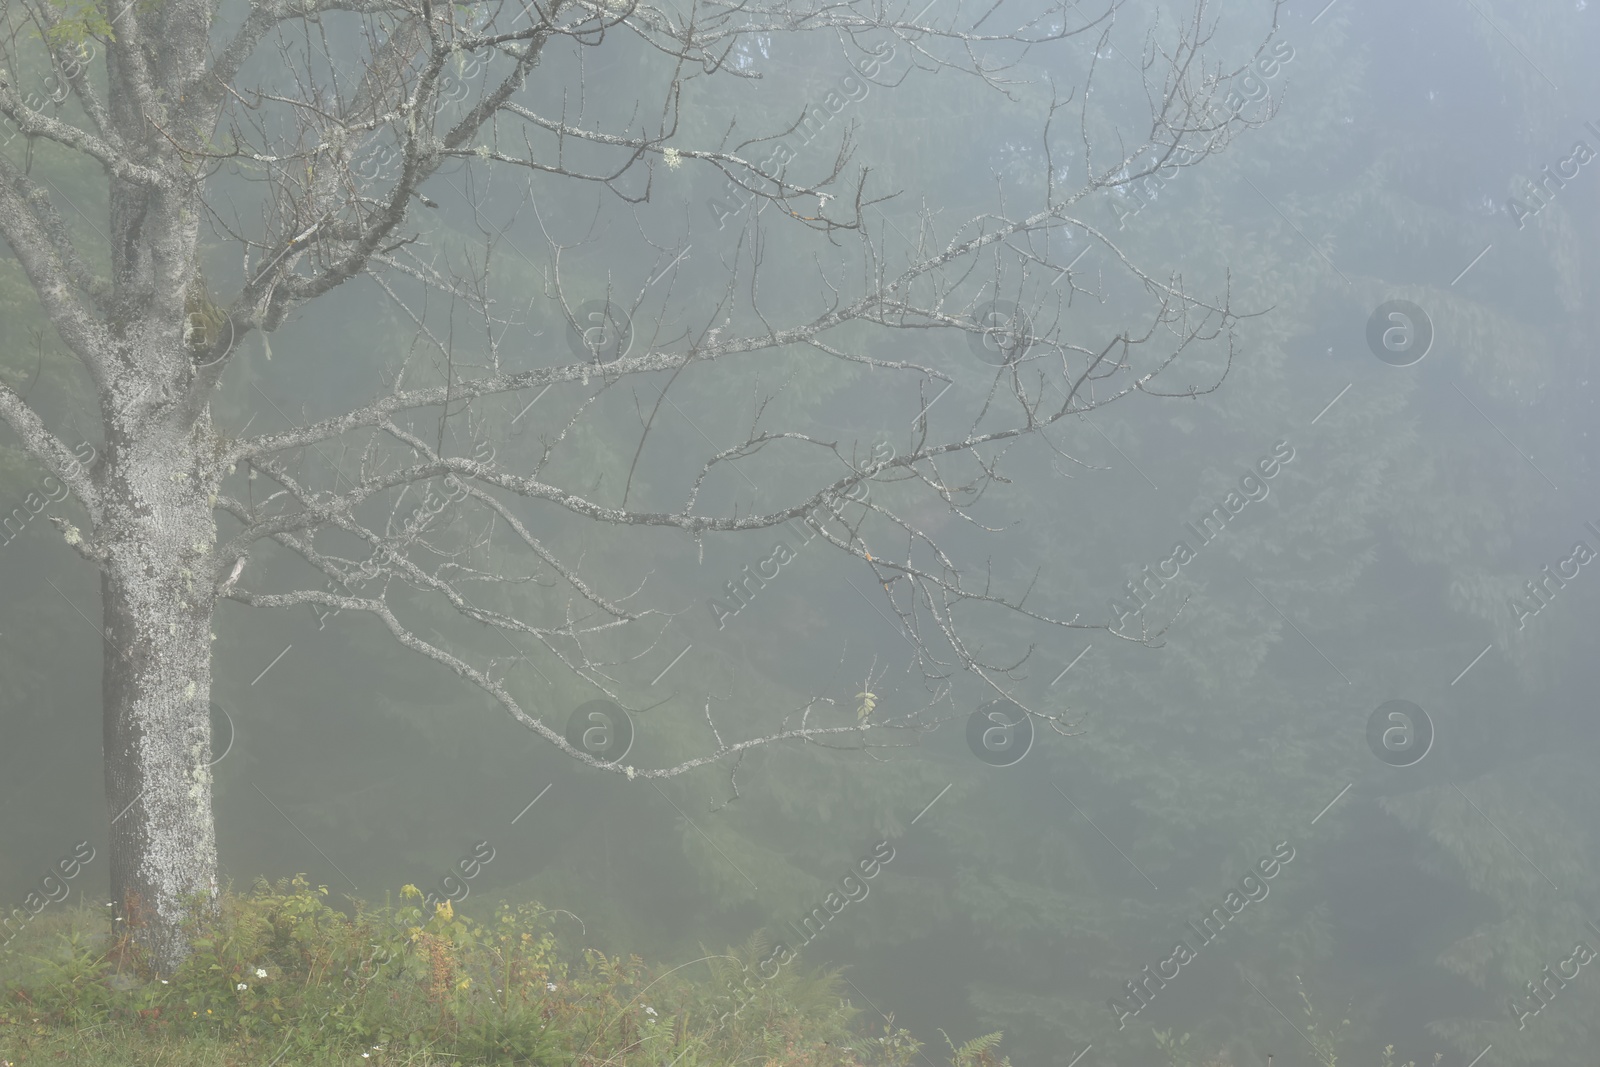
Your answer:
<point x="649" y="1010"/>
<point x="163" y="981"/>
<point x="261" y="972"/>
<point x="551" y="986"/>
<point x="241" y="987"/>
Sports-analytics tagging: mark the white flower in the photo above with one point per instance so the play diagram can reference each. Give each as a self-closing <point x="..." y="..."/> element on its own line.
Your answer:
<point x="163" y="981"/>
<point x="261" y="972"/>
<point x="241" y="987"/>
<point x="649" y="1010"/>
<point x="551" y="986"/>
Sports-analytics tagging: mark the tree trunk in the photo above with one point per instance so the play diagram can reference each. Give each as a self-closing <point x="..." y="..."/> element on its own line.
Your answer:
<point x="158" y="598"/>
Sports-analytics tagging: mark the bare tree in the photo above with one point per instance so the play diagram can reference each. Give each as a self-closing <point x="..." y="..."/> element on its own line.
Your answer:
<point x="188" y="114"/>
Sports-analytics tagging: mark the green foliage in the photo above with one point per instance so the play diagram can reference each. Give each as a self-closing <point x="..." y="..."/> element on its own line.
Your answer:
<point x="278" y="971"/>
<point x="79" y="20"/>
<point x="976" y="1053"/>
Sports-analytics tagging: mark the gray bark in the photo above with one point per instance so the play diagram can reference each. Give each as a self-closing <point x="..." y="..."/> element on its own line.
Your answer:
<point x="150" y="495"/>
<point x="158" y="601"/>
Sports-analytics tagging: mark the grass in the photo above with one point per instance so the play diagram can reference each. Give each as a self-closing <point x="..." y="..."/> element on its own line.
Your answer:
<point x="277" y="978"/>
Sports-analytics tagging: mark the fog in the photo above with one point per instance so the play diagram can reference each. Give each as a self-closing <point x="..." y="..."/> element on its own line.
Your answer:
<point x="1354" y="755"/>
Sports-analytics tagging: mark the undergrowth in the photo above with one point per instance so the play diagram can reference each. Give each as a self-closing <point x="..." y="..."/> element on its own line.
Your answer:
<point x="278" y="977"/>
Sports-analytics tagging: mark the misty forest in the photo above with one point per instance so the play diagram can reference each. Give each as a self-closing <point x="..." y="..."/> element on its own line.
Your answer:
<point x="863" y="534"/>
